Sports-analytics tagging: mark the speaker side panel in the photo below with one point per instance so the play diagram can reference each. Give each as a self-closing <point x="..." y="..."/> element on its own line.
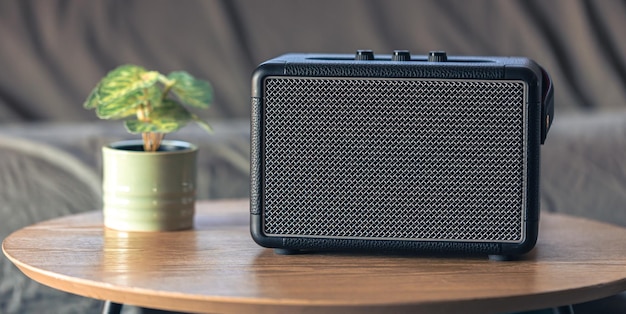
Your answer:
<point x="272" y="67"/>
<point x="269" y="68"/>
<point x="530" y="72"/>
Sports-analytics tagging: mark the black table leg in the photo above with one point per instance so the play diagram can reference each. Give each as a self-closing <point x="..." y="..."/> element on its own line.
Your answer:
<point x="111" y="308"/>
<point x="565" y="309"/>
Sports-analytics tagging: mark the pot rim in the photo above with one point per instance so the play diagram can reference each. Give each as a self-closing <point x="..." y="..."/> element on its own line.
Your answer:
<point x="119" y="146"/>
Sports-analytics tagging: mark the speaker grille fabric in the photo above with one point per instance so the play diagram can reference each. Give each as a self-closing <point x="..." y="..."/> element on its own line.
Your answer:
<point x="402" y="159"/>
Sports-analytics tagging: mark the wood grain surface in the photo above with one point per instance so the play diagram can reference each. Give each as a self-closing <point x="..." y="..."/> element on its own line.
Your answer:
<point x="218" y="268"/>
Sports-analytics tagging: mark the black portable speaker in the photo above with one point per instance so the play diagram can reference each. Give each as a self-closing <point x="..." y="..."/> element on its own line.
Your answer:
<point x="397" y="152"/>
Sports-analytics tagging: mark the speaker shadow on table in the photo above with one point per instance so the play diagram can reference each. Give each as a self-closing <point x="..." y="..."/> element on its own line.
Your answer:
<point x="391" y="254"/>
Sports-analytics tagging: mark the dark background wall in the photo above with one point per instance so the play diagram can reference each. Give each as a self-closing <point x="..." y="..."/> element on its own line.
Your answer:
<point x="52" y="52"/>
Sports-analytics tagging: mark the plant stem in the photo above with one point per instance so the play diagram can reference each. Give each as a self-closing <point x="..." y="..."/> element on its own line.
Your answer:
<point x="154" y="141"/>
<point x="146" y="141"/>
<point x="151" y="140"/>
<point x="142" y="115"/>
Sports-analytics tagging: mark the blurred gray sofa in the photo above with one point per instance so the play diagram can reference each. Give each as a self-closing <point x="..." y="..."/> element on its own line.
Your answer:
<point x="52" y="52"/>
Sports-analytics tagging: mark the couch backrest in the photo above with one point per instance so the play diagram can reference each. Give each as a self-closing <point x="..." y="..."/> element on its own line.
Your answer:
<point x="53" y="52"/>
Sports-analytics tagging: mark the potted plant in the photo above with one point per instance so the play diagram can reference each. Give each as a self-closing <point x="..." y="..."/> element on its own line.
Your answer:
<point x="149" y="184"/>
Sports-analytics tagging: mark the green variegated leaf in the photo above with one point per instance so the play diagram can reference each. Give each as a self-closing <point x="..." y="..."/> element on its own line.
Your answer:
<point x="135" y="126"/>
<point x="128" y="104"/>
<point x="203" y="124"/>
<point x="170" y="110"/>
<point x="191" y="91"/>
<point x="123" y="107"/>
<point x="123" y="81"/>
<point x="169" y="117"/>
<point x="92" y="99"/>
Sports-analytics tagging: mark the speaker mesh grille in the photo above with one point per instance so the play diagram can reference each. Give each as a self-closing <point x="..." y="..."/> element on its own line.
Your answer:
<point x="405" y="159"/>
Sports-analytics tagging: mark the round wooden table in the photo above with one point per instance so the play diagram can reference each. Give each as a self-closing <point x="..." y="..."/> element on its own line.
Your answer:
<point x="218" y="268"/>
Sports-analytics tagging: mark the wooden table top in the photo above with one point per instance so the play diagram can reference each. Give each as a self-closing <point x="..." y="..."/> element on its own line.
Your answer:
<point x="218" y="268"/>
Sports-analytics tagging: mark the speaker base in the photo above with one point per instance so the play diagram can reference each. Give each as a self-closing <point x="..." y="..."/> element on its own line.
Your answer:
<point x="503" y="258"/>
<point x="287" y="251"/>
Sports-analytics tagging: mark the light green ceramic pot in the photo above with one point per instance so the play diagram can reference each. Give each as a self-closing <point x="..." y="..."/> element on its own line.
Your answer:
<point x="149" y="191"/>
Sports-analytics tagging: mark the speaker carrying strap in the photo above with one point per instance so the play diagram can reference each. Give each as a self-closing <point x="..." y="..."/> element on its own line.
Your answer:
<point x="547" y="104"/>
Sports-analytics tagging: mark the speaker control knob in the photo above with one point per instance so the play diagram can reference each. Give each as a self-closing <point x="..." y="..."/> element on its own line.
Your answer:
<point x="437" y="56"/>
<point x="401" y="55"/>
<point x="364" y="55"/>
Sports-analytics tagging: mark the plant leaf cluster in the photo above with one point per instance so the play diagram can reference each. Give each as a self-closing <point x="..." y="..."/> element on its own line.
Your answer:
<point x="149" y="101"/>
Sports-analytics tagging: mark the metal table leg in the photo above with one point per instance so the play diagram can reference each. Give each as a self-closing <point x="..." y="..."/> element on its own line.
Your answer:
<point x="111" y="308"/>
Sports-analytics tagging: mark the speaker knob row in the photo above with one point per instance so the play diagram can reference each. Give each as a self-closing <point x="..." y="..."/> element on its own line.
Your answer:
<point x="401" y="55"/>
